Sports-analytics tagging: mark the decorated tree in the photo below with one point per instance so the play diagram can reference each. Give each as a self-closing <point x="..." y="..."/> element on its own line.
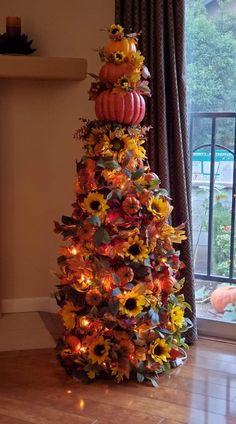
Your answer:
<point x="119" y="292"/>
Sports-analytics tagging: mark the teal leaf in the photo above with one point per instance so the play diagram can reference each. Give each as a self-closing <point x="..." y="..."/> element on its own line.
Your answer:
<point x="94" y="220"/>
<point x="137" y="174"/>
<point x="154" y="316"/>
<point x="138" y="187"/>
<point x="101" y="236"/>
<point x="116" y="292"/>
<point x="140" y="377"/>
<point x="118" y="193"/>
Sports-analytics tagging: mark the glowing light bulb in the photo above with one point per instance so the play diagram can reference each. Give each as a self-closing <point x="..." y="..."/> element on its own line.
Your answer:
<point x="84" y="322"/>
<point x="74" y="251"/>
<point x="69" y="392"/>
<point x="125" y="292"/>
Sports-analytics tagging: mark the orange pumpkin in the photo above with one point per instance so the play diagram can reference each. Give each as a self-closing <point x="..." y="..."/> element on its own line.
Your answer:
<point x="131" y="205"/>
<point x="74" y="343"/>
<point x="111" y="72"/>
<point x="166" y="283"/>
<point x="222" y="296"/>
<point x="127" y="109"/>
<point x="126" y="45"/>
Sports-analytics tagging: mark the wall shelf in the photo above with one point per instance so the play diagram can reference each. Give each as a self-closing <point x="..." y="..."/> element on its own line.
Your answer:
<point x="39" y="67"/>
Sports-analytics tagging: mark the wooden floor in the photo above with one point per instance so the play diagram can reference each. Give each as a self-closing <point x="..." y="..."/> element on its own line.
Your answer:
<point x="35" y="389"/>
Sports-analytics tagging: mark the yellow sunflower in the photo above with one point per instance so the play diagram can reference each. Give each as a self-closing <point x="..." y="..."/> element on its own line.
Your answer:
<point x="127" y="82"/>
<point x="177" y="317"/>
<point x="159" y="351"/>
<point x="115" y="145"/>
<point x="116" y="31"/>
<point x="159" y="207"/>
<point x="131" y="303"/>
<point x="117" y="57"/>
<point x="69" y="315"/>
<point x="95" y="204"/>
<point x="135" y="249"/>
<point x="98" y="350"/>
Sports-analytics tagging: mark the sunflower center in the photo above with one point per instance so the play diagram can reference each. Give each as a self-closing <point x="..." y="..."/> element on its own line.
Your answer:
<point x="95" y="205"/>
<point x="130" y="304"/>
<point x="117" y="144"/>
<point x="158" y="350"/>
<point x="155" y="207"/>
<point x="114" y="31"/>
<point x="124" y="82"/>
<point x="119" y="56"/>
<point x="134" y="249"/>
<point x="99" y="349"/>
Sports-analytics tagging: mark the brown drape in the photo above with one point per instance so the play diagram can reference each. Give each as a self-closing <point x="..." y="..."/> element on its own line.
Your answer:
<point x="162" y="44"/>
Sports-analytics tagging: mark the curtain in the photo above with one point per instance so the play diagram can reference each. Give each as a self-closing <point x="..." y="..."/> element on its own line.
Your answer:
<point x="162" y="44"/>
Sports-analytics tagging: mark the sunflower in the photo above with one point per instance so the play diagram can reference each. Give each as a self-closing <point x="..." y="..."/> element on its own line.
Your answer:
<point x="117" y="57"/>
<point x="69" y="315"/>
<point x="116" y="32"/>
<point x="115" y="145"/>
<point x="135" y="249"/>
<point x="131" y="303"/>
<point x="159" y="351"/>
<point x="93" y="297"/>
<point x="95" y="204"/>
<point x="159" y="207"/>
<point x="127" y="82"/>
<point x="98" y="350"/>
<point x="177" y="317"/>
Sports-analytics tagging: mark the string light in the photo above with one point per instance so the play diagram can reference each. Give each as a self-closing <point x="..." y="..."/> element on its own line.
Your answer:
<point x="84" y="322"/>
<point x="74" y="250"/>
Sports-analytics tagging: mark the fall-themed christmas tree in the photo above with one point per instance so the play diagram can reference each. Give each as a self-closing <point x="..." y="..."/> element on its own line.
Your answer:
<point x="119" y="291"/>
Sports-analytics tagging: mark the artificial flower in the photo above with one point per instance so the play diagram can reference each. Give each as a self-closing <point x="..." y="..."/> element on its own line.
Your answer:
<point x="126" y="348"/>
<point x="160" y="207"/>
<point x="86" y="231"/>
<point x="93" y="297"/>
<point x="126" y="83"/>
<point x="177" y="317"/>
<point x="159" y="351"/>
<point x="95" y="204"/>
<point x="68" y="313"/>
<point x="121" y="369"/>
<point x="117" y="57"/>
<point x="116" y="32"/>
<point x="131" y="303"/>
<point x="98" y="349"/>
<point x="135" y="249"/>
<point x="105" y="276"/>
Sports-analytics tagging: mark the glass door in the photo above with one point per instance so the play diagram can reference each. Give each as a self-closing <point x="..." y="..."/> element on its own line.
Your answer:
<point x="211" y="78"/>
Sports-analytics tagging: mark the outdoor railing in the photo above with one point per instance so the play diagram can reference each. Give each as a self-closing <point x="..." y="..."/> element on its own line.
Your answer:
<point x="213" y="147"/>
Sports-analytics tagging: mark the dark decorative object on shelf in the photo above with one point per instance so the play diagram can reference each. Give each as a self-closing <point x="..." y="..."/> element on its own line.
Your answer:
<point x="16" y="45"/>
<point x="12" y="41"/>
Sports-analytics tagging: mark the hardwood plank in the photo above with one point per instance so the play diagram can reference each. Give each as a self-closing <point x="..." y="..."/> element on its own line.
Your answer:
<point x="35" y="414"/>
<point x="4" y="419"/>
<point x="201" y="391"/>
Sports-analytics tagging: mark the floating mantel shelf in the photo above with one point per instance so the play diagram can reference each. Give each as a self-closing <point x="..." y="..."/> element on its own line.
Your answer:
<point x="39" y="67"/>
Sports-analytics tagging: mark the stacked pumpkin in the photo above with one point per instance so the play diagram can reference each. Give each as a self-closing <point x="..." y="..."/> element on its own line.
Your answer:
<point x="122" y="80"/>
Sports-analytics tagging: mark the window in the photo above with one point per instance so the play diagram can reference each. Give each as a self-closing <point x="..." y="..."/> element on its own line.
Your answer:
<point x="211" y="88"/>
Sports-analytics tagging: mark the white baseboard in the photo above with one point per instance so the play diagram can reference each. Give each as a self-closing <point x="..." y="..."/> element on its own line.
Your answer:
<point x="29" y="304"/>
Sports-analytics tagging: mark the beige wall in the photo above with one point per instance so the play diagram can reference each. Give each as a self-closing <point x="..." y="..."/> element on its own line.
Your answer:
<point x="37" y="152"/>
